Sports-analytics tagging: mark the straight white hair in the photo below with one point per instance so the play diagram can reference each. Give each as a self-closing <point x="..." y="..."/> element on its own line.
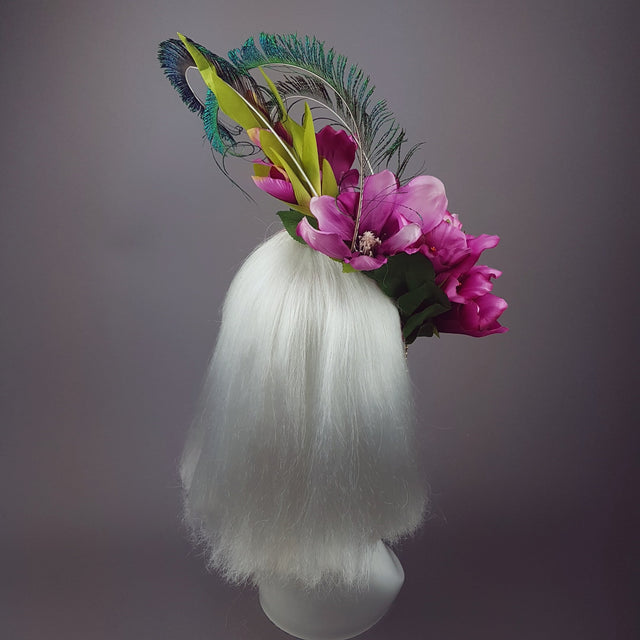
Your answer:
<point x="300" y="460"/>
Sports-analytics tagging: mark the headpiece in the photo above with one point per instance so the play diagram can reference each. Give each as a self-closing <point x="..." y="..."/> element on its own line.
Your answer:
<point x="396" y="230"/>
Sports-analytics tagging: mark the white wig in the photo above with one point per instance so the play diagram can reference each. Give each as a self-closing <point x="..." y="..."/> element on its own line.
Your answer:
<point x="301" y="458"/>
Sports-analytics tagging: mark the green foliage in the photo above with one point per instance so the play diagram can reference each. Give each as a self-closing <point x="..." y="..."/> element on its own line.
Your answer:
<point x="290" y="220"/>
<point x="409" y="279"/>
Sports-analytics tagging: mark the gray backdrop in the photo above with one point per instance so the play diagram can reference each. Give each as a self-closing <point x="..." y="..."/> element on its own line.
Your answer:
<point x="119" y="239"/>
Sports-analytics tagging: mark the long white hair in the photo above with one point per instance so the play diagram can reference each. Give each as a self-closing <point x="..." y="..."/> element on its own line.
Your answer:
<point x="301" y="457"/>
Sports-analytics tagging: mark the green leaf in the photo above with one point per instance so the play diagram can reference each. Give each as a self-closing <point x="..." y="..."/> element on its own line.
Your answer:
<point x="292" y="127"/>
<point x="290" y="220"/>
<point x="389" y="282"/>
<point x="409" y="280"/>
<point x="411" y="301"/>
<point x="297" y="135"/>
<point x="276" y="95"/>
<point x="272" y="147"/>
<point x="261" y="170"/>
<point x="309" y="155"/>
<point x="329" y="183"/>
<point x="413" y="323"/>
<point x="421" y="324"/>
<point x="427" y="329"/>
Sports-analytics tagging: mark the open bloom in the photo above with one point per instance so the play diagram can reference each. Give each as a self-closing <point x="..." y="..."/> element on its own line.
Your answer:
<point x="337" y="147"/>
<point x="382" y="231"/>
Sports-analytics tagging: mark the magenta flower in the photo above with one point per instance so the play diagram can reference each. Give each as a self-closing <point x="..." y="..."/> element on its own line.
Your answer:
<point x="423" y="201"/>
<point x="446" y="244"/>
<point x="336" y="146"/>
<point x="475" y="310"/>
<point x="453" y="280"/>
<point x="276" y="184"/>
<point x="382" y="231"/>
<point x="477" y="317"/>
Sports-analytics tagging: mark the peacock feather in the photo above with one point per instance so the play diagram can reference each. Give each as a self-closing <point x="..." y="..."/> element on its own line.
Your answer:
<point x="310" y="73"/>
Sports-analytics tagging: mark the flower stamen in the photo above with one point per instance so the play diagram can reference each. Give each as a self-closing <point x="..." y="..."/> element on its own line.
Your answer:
<point x="367" y="243"/>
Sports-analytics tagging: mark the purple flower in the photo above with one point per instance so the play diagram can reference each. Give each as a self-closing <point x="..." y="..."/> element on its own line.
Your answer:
<point x="382" y="232"/>
<point x="477" y="317"/>
<point x="452" y="280"/>
<point x="336" y="146"/>
<point x="423" y="201"/>
<point x="475" y="310"/>
<point x="276" y="183"/>
<point x="446" y="244"/>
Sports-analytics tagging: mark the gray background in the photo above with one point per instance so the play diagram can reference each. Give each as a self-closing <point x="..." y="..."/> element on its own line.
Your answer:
<point x="120" y="237"/>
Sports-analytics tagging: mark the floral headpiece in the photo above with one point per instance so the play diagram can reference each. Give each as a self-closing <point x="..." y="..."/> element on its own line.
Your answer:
<point x="397" y="232"/>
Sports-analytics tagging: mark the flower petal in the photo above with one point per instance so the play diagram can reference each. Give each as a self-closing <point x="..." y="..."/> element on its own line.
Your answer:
<point x="338" y="148"/>
<point x="330" y="218"/>
<point x="477" y="282"/>
<point x="423" y="201"/>
<point x="467" y="259"/>
<point x="328" y="243"/>
<point x="349" y="180"/>
<point x="449" y="285"/>
<point x="401" y="240"/>
<point x="378" y="200"/>
<point x="491" y="308"/>
<point x="281" y="189"/>
<point x="480" y="317"/>
<point x="347" y="203"/>
<point x="367" y="263"/>
<point x="480" y="243"/>
<point x="254" y="135"/>
<point x="476" y="318"/>
<point x="445" y="244"/>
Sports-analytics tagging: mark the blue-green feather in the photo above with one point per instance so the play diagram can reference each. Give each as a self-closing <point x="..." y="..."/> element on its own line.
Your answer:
<point x="380" y="136"/>
<point x="220" y="138"/>
<point x="310" y="71"/>
<point x="175" y="60"/>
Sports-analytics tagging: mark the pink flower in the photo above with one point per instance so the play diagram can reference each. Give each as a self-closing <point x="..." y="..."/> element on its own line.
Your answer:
<point x="423" y="201"/>
<point x="477" y="317"/>
<point x="337" y="147"/>
<point x="382" y="231"/>
<point x="276" y="184"/>
<point x="446" y="244"/>
<point x="475" y="310"/>
<point x="452" y="279"/>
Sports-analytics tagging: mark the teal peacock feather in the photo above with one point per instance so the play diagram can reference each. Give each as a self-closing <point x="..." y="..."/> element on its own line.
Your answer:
<point x="175" y="60"/>
<point x="309" y="73"/>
